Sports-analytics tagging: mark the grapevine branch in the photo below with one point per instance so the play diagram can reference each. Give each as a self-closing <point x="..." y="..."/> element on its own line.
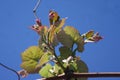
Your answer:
<point x="56" y="57"/>
<point x="86" y="75"/>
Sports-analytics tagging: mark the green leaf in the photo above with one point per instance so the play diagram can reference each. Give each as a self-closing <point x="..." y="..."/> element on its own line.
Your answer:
<point x="65" y="39"/>
<point x="32" y="53"/>
<point x="69" y="36"/>
<point x="41" y="42"/>
<point x="58" y="69"/>
<point x="80" y="44"/>
<point x="52" y="38"/>
<point x="65" y="52"/>
<point x="89" y="34"/>
<point x="53" y="30"/>
<point x="60" y="25"/>
<point x="75" y="36"/>
<point x="45" y="71"/>
<point x="80" y="67"/>
<point x="30" y="58"/>
<point x="71" y="31"/>
<point x="43" y="60"/>
<point x="29" y="66"/>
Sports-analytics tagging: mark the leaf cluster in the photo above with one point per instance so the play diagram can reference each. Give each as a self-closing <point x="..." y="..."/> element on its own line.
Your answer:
<point x="44" y="60"/>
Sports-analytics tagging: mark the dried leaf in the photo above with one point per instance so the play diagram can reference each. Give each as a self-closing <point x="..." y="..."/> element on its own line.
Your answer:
<point x="23" y="73"/>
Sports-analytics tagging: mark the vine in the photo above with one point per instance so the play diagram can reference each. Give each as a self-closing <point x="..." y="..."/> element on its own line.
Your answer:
<point x="37" y="59"/>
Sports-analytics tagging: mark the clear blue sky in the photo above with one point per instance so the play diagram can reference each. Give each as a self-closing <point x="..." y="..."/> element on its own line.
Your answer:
<point x="100" y="15"/>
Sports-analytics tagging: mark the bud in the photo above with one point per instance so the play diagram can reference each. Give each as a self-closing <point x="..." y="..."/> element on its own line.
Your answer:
<point x="38" y="22"/>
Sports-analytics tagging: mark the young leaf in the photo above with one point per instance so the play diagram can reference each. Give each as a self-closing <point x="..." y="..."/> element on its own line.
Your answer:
<point x="65" y="52"/>
<point x="74" y="37"/>
<point x="80" y="44"/>
<point x="60" y="25"/>
<point x="30" y="58"/>
<point x="89" y="34"/>
<point x="58" y="69"/>
<point x="53" y="17"/>
<point x="52" y="38"/>
<point x="43" y="60"/>
<point x="65" y="39"/>
<point x="91" y="37"/>
<point x="32" y="53"/>
<point x="29" y="66"/>
<point x="53" y="30"/>
<point x="45" y="71"/>
<point x="72" y="32"/>
<point x="81" y="66"/>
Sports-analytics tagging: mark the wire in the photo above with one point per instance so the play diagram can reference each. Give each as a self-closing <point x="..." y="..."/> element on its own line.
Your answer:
<point x="10" y="70"/>
<point x="35" y="8"/>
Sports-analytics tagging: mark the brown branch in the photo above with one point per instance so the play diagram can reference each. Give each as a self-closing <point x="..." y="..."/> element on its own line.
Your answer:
<point x="86" y="75"/>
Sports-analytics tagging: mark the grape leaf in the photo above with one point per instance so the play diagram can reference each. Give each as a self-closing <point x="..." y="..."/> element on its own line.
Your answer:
<point x="71" y="31"/>
<point x="89" y="34"/>
<point x="45" y="71"/>
<point x="65" y="39"/>
<point x="60" y="25"/>
<point x="43" y="60"/>
<point x="79" y="66"/>
<point x="65" y="52"/>
<point x="30" y="58"/>
<point x="75" y="36"/>
<point x="53" y="30"/>
<point x="29" y="66"/>
<point x="53" y="17"/>
<point x="32" y="53"/>
<point x="80" y="44"/>
<point x="58" y="69"/>
<point x="91" y="37"/>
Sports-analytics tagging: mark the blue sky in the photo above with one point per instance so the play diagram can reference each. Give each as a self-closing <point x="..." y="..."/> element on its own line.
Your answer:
<point x="100" y="15"/>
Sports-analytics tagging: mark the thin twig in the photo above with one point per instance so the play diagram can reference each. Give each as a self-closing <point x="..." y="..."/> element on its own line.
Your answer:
<point x="11" y="70"/>
<point x="35" y="8"/>
<point x="74" y="52"/>
<point x="61" y="65"/>
<point x="86" y="75"/>
<point x="59" y="62"/>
